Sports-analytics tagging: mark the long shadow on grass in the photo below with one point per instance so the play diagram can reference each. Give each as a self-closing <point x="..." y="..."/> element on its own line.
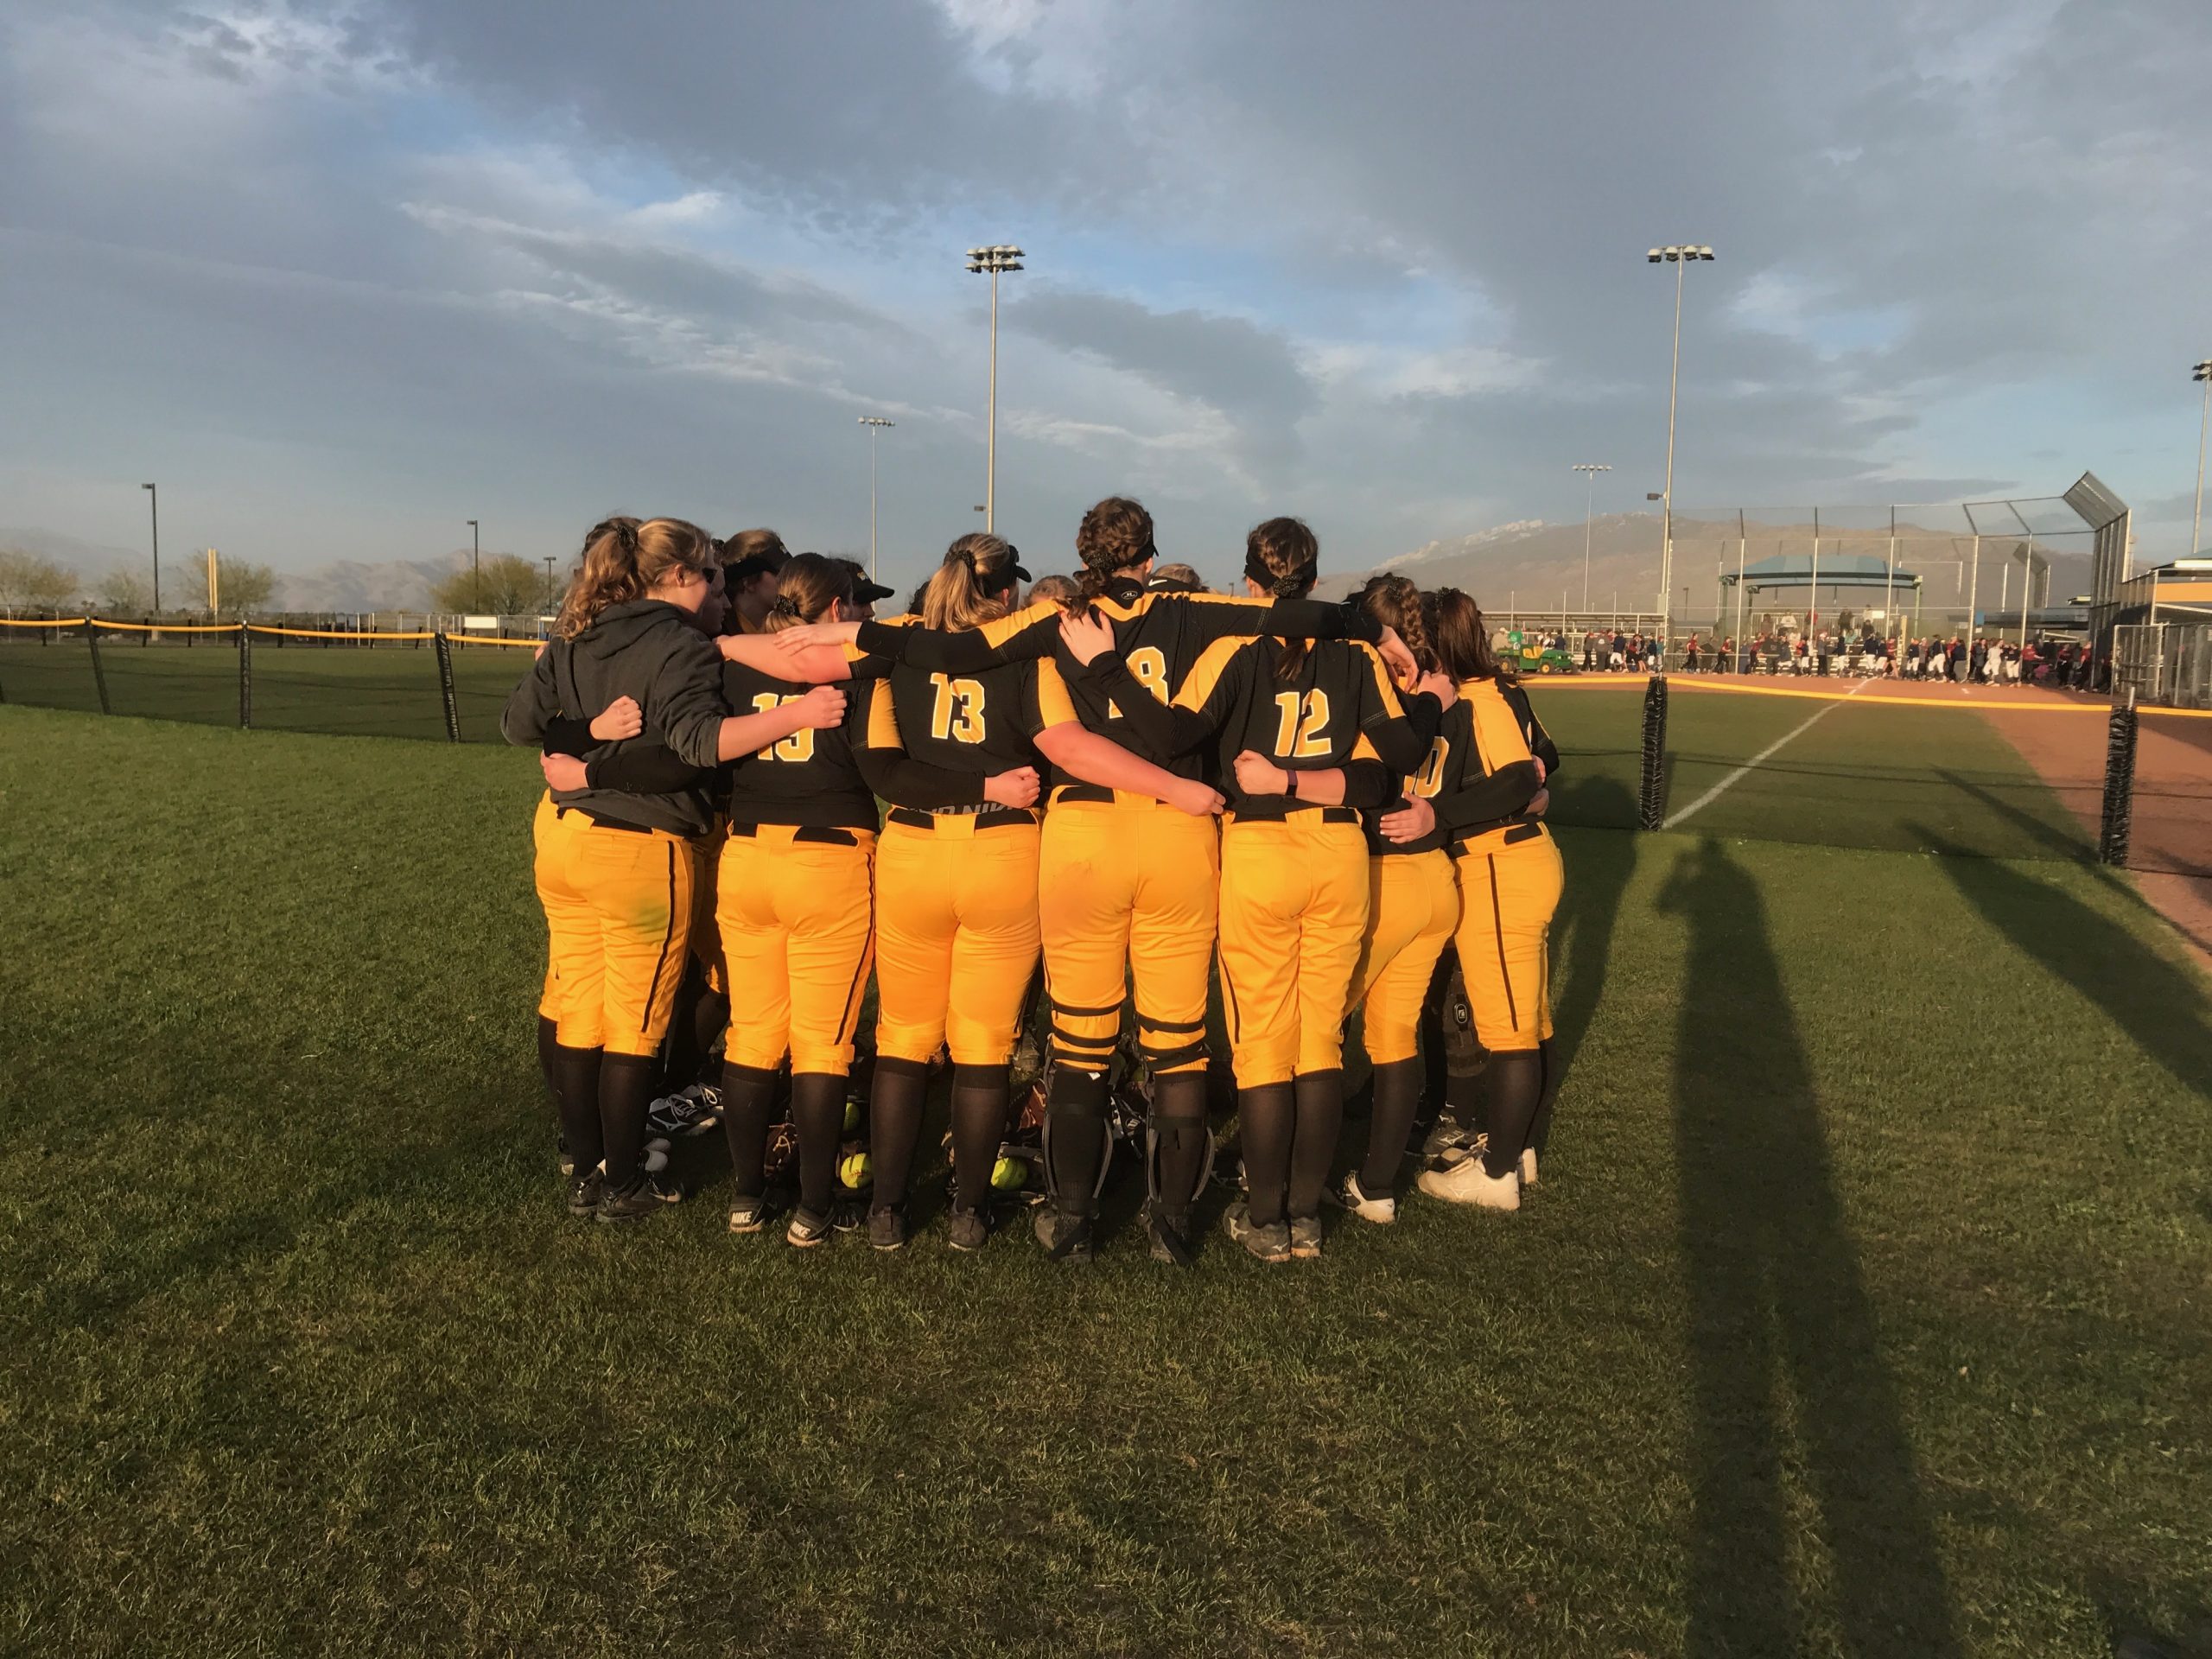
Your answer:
<point x="1777" y="1304"/>
<point x="1582" y="929"/>
<point x="2156" y="1002"/>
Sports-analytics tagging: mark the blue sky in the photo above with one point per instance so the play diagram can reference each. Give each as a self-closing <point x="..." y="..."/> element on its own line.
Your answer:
<point x="341" y="276"/>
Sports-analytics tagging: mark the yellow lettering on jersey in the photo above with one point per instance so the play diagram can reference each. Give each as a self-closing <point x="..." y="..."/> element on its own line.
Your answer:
<point x="1301" y="729"/>
<point x="799" y="745"/>
<point x="1430" y="778"/>
<point x="957" y="713"/>
<point x="1148" y="666"/>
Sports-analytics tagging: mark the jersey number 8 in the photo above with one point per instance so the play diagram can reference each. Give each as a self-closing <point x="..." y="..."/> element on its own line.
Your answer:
<point x="1148" y="666"/>
<point x="799" y="745"/>
<point x="957" y="713"/>
<point x="1303" y="728"/>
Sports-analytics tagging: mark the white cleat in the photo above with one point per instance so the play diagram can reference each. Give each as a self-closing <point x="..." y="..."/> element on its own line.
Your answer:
<point x="1469" y="1183"/>
<point x="1527" y="1167"/>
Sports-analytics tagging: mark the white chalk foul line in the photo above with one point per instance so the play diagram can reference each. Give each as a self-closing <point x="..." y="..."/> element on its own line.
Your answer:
<point x="1722" y="787"/>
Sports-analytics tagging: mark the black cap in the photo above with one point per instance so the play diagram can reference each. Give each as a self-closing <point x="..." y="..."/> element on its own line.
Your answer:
<point x="867" y="591"/>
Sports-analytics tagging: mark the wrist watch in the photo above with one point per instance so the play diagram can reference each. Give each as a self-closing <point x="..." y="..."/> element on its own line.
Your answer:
<point x="1290" y="783"/>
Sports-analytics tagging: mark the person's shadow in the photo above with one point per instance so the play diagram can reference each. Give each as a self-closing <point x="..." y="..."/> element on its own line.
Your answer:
<point x="1786" y="1367"/>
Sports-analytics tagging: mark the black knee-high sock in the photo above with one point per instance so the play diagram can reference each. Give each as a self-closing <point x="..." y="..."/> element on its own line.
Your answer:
<point x="1463" y="1100"/>
<point x="979" y="1102"/>
<point x="1320" y="1108"/>
<point x="1179" y="1118"/>
<point x="548" y="1047"/>
<point x="1513" y="1083"/>
<point x="748" y="1098"/>
<point x="709" y="1019"/>
<point x="1266" y="1118"/>
<point x="1397" y="1098"/>
<point x="575" y="1091"/>
<point x="894" y="1126"/>
<point x="1540" y="1133"/>
<point x="818" y="1118"/>
<point x="1076" y="1108"/>
<point x="626" y="1092"/>
<point x="1435" y="1018"/>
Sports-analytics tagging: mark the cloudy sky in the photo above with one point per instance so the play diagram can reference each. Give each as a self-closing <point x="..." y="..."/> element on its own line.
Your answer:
<point x="343" y="275"/>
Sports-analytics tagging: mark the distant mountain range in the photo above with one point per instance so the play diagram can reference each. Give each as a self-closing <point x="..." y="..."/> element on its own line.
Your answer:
<point x="345" y="585"/>
<point x="1536" y="568"/>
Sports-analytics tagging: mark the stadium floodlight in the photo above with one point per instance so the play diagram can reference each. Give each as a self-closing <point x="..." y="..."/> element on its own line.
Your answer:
<point x="1589" y="469"/>
<point x="875" y="423"/>
<point x="2202" y="372"/>
<point x="992" y="262"/>
<point x="153" y="507"/>
<point x="476" y="561"/>
<point x="1678" y="255"/>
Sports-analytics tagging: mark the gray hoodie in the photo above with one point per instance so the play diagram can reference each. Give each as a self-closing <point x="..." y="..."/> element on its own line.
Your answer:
<point x="647" y="650"/>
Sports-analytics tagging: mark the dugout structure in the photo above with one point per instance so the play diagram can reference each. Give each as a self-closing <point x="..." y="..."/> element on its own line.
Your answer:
<point x="2012" y="566"/>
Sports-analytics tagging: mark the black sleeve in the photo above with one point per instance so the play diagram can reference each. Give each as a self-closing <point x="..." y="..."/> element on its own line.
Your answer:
<point x="968" y="651"/>
<point x="893" y="775"/>
<point x="566" y="736"/>
<point x="1426" y="715"/>
<point x="1500" y="794"/>
<point x="1321" y="618"/>
<point x="1371" y="785"/>
<point x="1540" y="741"/>
<point x="1160" y="726"/>
<point x="643" y="769"/>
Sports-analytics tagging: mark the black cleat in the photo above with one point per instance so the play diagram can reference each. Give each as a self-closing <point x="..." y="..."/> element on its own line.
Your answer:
<point x="648" y="1196"/>
<point x="1170" y="1237"/>
<point x="970" y="1230"/>
<point x="1066" y="1237"/>
<point x="584" y="1191"/>
<point x="886" y="1229"/>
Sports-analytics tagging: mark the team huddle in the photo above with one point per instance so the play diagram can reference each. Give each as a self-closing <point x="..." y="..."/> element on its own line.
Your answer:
<point x="1327" y="809"/>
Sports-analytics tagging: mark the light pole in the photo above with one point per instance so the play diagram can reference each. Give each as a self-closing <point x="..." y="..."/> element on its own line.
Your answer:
<point x="476" y="560"/>
<point x="153" y="507"/>
<point x="991" y="262"/>
<point x="1589" y="469"/>
<point x="549" y="558"/>
<point x="875" y="423"/>
<point x="2202" y="372"/>
<point x="1678" y="257"/>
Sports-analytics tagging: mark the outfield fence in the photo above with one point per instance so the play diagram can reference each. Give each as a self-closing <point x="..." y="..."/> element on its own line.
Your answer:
<point x="424" y="682"/>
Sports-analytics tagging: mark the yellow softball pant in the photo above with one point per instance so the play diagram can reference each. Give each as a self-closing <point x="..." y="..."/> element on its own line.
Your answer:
<point x="1510" y="885"/>
<point x="1127" y="891"/>
<point x="797" y="918"/>
<point x="541" y="827"/>
<point x="618" y="909"/>
<point x="1293" y="907"/>
<point x="956" y="934"/>
<point x="1412" y="910"/>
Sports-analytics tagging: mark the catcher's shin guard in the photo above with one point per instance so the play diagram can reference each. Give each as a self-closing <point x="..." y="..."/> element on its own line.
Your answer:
<point x="1179" y="1161"/>
<point x="1077" y="1144"/>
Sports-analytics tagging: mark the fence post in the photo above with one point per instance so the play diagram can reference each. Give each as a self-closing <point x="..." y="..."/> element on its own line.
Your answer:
<point x="99" y="670"/>
<point x="245" y="680"/>
<point x="2119" y="783"/>
<point x="445" y="689"/>
<point x="1651" y="804"/>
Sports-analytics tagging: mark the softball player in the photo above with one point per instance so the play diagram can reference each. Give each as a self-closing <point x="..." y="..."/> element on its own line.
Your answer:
<point x="614" y="869"/>
<point x="1509" y="878"/>
<point x="1293" y="901"/>
<point x="957" y="914"/>
<point x="1412" y="909"/>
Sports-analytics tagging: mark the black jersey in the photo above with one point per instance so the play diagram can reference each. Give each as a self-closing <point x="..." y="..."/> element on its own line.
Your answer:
<point x="1491" y="772"/>
<point x="1439" y="772"/>
<point x="1337" y="705"/>
<point x="812" y="776"/>
<point x="979" y="723"/>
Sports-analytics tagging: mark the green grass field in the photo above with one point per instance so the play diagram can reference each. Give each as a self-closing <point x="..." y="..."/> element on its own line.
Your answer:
<point x="1863" y="1309"/>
